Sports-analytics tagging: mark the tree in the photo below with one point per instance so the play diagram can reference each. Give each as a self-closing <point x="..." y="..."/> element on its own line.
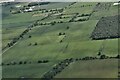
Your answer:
<point x="21" y="36"/>
<point x="2" y="64"/>
<point x="53" y="23"/>
<point x="41" y="23"/>
<point x="67" y="27"/>
<point x="102" y="56"/>
<point x="13" y="63"/>
<point x="35" y="43"/>
<point x="39" y="61"/>
<point x="61" y="41"/>
<point x="20" y="62"/>
<point x="30" y="36"/>
<point x="60" y="17"/>
<point x="9" y="45"/>
<point x="99" y="53"/>
<point x="118" y="56"/>
<point x="60" y="33"/>
<point x="8" y="64"/>
<point x="45" y="61"/>
<point x="76" y="59"/>
<point x="25" y="62"/>
<point x="61" y="21"/>
<point x="30" y="62"/>
<point x="63" y="33"/>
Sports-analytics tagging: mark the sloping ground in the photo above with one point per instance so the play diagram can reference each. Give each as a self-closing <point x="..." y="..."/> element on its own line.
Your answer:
<point x="91" y="69"/>
<point x="48" y="42"/>
<point x="75" y="44"/>
<point x="106" y="28"/>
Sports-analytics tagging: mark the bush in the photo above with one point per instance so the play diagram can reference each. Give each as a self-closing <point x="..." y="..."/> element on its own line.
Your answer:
<point x="20" y="62"/>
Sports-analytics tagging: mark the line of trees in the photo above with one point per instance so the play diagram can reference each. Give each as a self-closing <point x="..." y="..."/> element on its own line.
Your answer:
<point x="24" y="62"/>
<point x="57" y="69"/>
<point x="15" y="40"/>
<point x="19" y="37"/>
<point x="63" y="64"/>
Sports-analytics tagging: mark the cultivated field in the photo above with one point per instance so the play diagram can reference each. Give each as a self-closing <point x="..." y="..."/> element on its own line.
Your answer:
<point x="106" y="28"/>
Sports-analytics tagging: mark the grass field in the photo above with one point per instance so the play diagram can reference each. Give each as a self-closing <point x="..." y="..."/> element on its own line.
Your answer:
<point x="80" y="8"/>
<point x="14" y="24"/>
<point x="24" y="70"/>
<point x="75" y="43"/>
<point x="91" y="69"/>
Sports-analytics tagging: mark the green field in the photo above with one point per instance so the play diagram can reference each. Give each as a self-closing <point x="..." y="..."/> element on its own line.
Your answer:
<point x="75" y="43"/>
<point x="91" y="69"/>
<point x="25" y="70"/>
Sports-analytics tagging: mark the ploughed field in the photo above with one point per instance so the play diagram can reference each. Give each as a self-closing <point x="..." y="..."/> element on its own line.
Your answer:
<point x="107" y="27"/>
<point x="54" y="41"/>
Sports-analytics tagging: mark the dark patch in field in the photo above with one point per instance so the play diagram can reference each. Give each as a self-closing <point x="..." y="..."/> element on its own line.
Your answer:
<point x="106" y="28"/>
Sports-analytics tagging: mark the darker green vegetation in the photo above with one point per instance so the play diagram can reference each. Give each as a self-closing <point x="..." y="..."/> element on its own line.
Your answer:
<point x="106" y="28"/>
